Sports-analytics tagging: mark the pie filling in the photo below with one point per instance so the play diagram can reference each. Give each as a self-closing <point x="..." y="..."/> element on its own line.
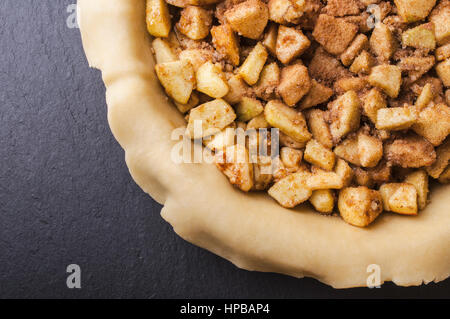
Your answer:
<point x="342" y="103"/>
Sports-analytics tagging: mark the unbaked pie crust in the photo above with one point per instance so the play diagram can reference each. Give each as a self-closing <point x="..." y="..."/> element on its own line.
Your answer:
<point x="250" y="230"/>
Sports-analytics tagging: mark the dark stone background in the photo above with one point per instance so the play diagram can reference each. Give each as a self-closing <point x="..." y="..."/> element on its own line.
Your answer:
<point x="66" y="195"/>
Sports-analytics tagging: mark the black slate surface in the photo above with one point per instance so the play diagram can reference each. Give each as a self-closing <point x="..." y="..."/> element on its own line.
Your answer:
<point x="66" y="195"/>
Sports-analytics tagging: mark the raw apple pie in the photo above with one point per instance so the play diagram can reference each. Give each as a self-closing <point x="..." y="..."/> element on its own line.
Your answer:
<point x="355" y="91"/>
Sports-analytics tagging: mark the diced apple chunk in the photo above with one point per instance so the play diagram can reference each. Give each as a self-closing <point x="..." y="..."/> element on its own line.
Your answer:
<point x="248" y="18"/>
<point x="344" y="171"/>
<point x="253" y="65"/>
<point x="359" y="206"/>
<point x="193" y="102"/>
<point x="359" y="43"/>
<point x="291" y="190"/>
<point x="443" y="52"/>
<point x="288" y="120"/>
<point x="270" y="39"/>
<point x="396" y="118"/>
<point x="319" y="127"/>
<point x="158" y="18"/>
<point x="317" y="94"/>
<point x="291" y="157"/>
<point x="433" y="123"/>
<point x="362" y="63"/>
<point x="317" y="154"/>
<point x="420" y="37"/>
<point x="294" y="83"/>
<point x="321" y="179"/>
<point x="440" y="17"/>
<point x="226" y="42"/>
<point x="195" y="22"/>
<point x="197" y="57"/>
<point x="370" y="150"/>
<point x="268" y="82"/>
<point x="177" y="78"/>
<point x="443" y="71"/>
<point x="382" y="42"/>
<point x="404" y="200"/>
<point x="238" y="89"/>
<point x="323" y="200"/>
<point x="419" y="179"/>
<point x="414" y="10"/>
<point x="211" y="80"/>
<point x="163" y="51"/>
<point x="334" y="34"/>
<point x="373" y="101"/>
<point x="345" y="114"/>
<point x="248" y="108"/>
<point x="386" y="77"/>
<point x="258" y="122"/>
<point x="234" y="163"/>
<point x="348" y="150"/>
<point x="425" y="97"/>
<point x="290" y="44"/>
<point x="442" y="160"/>
<point x="212" y="116"/>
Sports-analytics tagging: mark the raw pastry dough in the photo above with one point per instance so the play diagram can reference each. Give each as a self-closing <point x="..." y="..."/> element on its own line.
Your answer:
<point x="250" y="230"/>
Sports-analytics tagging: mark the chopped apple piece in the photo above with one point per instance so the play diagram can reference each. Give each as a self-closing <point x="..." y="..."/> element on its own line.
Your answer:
<point x="238" y="89"/>
<point x="345" y="114"/>
<point x="362" y="63"/>
<point x="268" y="82"/>
<point x="443" y="71"/>
<point x="344" y="171"/>
<point x="158" y="18"/>
<point x="288" y="120"/>
<point x="359" y="43"/>
<point x="258" y="122"/>
<point x="373" y="101"/>
<point x="248" y="108"/>
<point x="433" y="123"/>
<point x="291" y="157"/>
<point x="195" y="22"/>
<point x="442" y="160"/>
<point x="212" y="116"/>
<point x="319" y="127"/>
<point x="234" y="163"/>
<point x="382" y="42"/>
<point x="440" y="17"/>
<point x="317" y="94"/>
<point x="197" y="57"/>
<point x="334" y="34"/>
<point x="404" y="200"/>
<point x="348" y="150"/>
<point x="248" y="18"/>
<point x="323" y="200"/>
<point x="253" y="65"/>
<point x="290" y="44"/>
<point x="270" y="39"/>
<point x="386" y="77"/>
<point x="370" y="150"/>
<point x="177" y="78"/>
<point x="359" y="206"/>
<point x="294" y="83"/>
<point x="321" y="179"/>
<point x="414" y="10"/>
<point x="211" y="80"/>
<point x="291" y="190"/>
<point x="226" y="42"/>
<point x="163" y="51"/>
<point x="419" y="179"/>
<point x="317" y="154"/>
<point x="396" y="118"/>
<point x="425" y="97"/>
<point x="420" y="37"/>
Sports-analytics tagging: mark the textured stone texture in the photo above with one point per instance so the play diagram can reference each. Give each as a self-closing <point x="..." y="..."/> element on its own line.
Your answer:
<point x="66" y="195"/>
